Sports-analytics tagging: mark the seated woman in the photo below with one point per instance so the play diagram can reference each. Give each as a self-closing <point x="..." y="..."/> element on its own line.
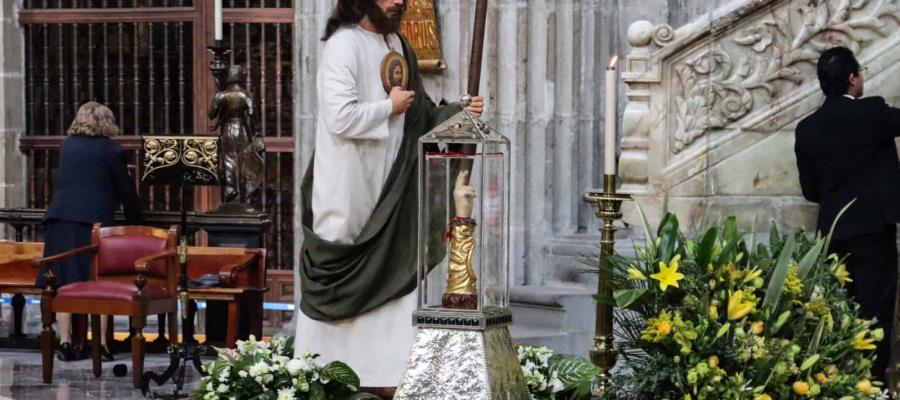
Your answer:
<point x="92" y="182"/>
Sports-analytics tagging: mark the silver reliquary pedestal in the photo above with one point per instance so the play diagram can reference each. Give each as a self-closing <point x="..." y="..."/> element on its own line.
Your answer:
<point x="463" y="349"/>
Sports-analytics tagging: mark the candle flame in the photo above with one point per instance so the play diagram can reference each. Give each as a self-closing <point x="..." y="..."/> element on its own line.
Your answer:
<point x="613" y="61"/>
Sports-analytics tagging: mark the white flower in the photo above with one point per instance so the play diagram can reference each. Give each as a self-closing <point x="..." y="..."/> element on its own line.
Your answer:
<point x="223" y="376"/>
<point x="210" y="396"/>
<point x="222" y="388"/>
<point x="301" y="385"/>
<point x="258" y="369"/>
<point x="209" y="386"/>
<point x="556" y="385"/>
<point x="286" y="394"/>
<point x="296" y="365"/>
<point x="280" y="361"/>
<point x="242" y="373"/>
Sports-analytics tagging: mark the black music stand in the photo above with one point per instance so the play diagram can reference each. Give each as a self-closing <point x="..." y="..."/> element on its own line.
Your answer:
<point x="180" y="161"/>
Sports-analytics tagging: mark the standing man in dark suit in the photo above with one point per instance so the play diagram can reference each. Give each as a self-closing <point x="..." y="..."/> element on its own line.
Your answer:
<point x="846" y="150"/>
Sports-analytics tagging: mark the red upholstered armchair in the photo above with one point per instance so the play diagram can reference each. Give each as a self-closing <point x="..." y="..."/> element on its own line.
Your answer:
<point x="133" y="273"/>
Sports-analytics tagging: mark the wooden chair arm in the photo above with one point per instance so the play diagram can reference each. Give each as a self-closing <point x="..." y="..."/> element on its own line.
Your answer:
<point x="140" y="265"/>
<point x="39" y="262"/>
<point x="228" y="272"/>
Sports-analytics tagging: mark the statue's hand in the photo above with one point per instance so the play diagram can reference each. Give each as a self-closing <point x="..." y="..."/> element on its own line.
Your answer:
<point x="463" y="195"/>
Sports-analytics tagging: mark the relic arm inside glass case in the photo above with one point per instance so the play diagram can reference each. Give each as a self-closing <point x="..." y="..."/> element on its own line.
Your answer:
<point x="461" y="290"/>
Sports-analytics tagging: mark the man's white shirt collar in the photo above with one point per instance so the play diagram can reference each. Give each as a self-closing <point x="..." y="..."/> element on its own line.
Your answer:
<point x="850" y="97"/>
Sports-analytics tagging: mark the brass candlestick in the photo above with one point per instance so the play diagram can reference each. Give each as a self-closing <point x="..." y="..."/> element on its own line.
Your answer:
<point x="609" y="206"/>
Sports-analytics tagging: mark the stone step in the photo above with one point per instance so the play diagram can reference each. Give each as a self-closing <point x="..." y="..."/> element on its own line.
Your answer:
<point x="531" y="336"/>
<point x="559" y="316"/>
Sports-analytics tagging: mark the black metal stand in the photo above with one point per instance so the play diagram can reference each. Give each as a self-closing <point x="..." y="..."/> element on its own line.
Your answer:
<point x="189" y="350"/>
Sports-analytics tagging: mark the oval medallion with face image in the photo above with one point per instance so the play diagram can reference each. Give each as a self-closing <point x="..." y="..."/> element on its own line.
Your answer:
<point x="394" y="71"/>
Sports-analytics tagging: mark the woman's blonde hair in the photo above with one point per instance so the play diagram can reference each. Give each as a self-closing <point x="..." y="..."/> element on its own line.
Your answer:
<point x="94" y="119"/>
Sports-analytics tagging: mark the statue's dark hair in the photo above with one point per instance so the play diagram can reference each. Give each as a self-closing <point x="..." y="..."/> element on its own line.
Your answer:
<point x="834" y="69"/>
<point x="236" y="74"/>
<point x="346" y="12"/>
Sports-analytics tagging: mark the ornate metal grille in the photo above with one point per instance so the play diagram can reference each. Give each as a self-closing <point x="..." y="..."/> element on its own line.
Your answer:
<point x="147" y="60"/>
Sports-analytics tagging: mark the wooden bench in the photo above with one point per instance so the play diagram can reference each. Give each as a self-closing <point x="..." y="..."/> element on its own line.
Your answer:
<point x="17" y="276"/>
<point x="242" y="283"/>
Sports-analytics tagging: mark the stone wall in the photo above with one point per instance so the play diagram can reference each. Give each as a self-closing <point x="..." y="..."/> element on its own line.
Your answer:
<point x="12" y="108"/>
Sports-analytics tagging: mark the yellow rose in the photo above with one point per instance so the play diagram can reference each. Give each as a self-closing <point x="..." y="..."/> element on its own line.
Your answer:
<point x="713" y="361"/>
<point x="763" y="397"/>
<point x="821" y="378"/>
<point x="801" y="388"/>
<point x="756" y="328"/>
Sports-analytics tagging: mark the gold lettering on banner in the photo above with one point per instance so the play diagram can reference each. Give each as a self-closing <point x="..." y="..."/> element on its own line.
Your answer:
<point x="420" y="28"/>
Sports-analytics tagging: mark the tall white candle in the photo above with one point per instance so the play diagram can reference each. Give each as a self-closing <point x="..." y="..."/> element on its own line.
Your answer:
<point x="609" y="153"/>
<point x="217" y="18"/>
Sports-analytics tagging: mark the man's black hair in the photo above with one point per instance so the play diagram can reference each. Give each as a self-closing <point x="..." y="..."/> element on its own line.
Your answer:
<point x="834" y="69"/>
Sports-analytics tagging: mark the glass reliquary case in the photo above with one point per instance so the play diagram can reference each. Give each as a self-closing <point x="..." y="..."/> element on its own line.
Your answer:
<point x="463" y="241"/>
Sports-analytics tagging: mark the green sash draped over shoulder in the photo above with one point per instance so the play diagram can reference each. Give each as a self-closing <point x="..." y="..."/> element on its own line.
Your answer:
<point x="341" y="281"/>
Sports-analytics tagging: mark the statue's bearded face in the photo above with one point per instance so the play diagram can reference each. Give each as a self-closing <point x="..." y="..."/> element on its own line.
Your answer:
<point x="386" y="15"/>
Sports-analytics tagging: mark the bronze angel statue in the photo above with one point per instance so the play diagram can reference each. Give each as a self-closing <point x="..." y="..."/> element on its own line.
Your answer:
<point x="242" y="150"/>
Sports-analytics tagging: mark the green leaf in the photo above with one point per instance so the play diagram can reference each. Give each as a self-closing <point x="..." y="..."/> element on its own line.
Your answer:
<point x="731" y="238"/>
<point x="752" y="246"/>
<point x="705" y="248"/>
<point x="571" y="370"/>
<point x="340" y="372"/>
<point x="817" y="338"/>
<point x="810" y="259"/>
<point x="317" y="391"/>
<point x="809" y="362"/>
<point x="774" y="238"/>
<point x="723" y="330"/>
<point x="668" y="237"/>
<point x="776" y="285"/>
<point x="782" y="318"/>
<point x="834" y="223"/>
<point x="626" y="297"/>
<point x="648" y="231"/>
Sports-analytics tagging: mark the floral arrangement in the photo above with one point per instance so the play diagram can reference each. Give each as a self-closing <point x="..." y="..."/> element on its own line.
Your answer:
<point x="555" y="376"/>
<point x="268" y="371"/>
<point x="725" y="317"/>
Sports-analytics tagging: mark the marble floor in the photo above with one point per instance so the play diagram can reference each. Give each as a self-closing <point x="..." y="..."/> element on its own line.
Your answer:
<point x="20" y="378"/>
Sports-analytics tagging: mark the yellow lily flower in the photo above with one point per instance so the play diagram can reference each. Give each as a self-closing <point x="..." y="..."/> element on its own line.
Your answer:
<point x="842" y="275"/>
<point x="860" y="342"/>
<point x="737" y="307"/>
<point x="668" y="275"/>
<point x="636" y="274"/>
<point x="752" y="274"/>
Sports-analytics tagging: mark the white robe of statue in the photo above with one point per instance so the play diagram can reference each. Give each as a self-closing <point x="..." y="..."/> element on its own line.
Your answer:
<point x="357" y="140"/>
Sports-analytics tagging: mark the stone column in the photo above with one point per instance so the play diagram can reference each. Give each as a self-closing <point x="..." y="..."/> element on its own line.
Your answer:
<point x="12" y="107"/>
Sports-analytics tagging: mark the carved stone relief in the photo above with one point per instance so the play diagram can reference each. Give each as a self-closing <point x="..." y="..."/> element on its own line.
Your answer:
<point x="748" y="68"/>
